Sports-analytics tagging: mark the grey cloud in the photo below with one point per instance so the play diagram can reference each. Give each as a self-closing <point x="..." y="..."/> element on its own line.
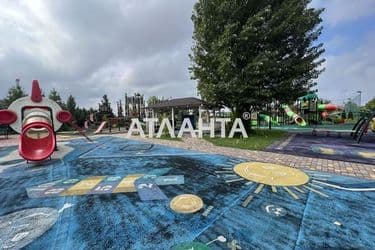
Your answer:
<point x="88" y="48"/>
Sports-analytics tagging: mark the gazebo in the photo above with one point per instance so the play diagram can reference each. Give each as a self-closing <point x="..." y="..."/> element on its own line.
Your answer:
<point x="188" y="107"/>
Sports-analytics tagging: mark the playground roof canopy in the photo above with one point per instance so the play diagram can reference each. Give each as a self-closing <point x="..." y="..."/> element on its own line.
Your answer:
<point x="309" y="96"/>
<point x="185" y="103"/>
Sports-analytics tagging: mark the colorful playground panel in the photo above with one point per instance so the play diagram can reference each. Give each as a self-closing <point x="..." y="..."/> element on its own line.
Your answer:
<point x="127" y="184"/>
<point x="170" y="180"/>
<point x="107" y="185"/>
<point x="147" y="188"/>
<point x="84" y="186"/>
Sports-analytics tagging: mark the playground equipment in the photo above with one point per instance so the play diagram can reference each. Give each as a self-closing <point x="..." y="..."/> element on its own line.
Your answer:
<point x="36" y="119"/>
<point x="372" y="126"/>
<point x="297" y="119"/>
<point x="100" y="128"/>
<point x="267" y="119"/>
<point x="308" y="110"/>
<point x="327" y="107"/>
<point x="359" y="129"/>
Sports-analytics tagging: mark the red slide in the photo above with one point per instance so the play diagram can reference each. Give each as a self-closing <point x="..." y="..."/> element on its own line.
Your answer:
<point x="36" y="119"/>
<point x="37" y="141"/>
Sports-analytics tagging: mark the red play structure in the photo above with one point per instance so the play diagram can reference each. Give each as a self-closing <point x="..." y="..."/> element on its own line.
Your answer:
<point x="36" y="119"/>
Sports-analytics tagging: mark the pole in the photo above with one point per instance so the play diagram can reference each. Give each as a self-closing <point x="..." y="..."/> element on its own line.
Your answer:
<point x="173" y="119"/>
<point x="270" y="116"/>
<point x="360" y="98"/>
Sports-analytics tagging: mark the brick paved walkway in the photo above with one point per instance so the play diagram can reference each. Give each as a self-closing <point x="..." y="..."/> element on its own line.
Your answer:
<point x="308" y="163"/>
<point x="11" y="141"/>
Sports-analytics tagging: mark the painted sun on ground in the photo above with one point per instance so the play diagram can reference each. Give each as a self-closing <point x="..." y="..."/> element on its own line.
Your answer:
<point x="278" y="177"/>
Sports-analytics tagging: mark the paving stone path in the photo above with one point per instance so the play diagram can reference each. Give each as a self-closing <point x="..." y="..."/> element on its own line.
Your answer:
<point x="308" y="163"/>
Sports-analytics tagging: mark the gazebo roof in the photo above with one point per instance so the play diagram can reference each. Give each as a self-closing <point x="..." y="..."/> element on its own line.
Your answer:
<point x="188" y="102"/>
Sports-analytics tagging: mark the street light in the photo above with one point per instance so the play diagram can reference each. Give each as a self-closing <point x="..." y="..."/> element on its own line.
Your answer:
<point x="360" y="97"/>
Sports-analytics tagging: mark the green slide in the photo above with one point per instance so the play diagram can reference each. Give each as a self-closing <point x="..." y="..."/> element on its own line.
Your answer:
<point x="297" y="119"/>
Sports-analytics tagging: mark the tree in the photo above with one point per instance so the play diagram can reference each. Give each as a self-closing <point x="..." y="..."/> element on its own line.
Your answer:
<point x="370" y="105"/>
<point x="105" y="110"/>
<point x="81" y="115"/>
<point x="153" y="100"/>
<point x="248" y="53"/>
<point x="71" y="105"/>
<point x="14" y="93"/>
<point x="55" y="96"/>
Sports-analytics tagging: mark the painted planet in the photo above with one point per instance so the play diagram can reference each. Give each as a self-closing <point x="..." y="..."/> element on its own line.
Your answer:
<point x="20" y="228"/>
<point x="186" y="203"/>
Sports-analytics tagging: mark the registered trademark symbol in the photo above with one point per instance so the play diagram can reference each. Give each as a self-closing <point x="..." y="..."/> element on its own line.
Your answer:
<point x="246" y="115"/>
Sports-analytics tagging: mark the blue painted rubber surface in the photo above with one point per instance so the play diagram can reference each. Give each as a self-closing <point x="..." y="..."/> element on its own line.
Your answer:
<point x="344" y="147"/>
<point x="123" y="221"/>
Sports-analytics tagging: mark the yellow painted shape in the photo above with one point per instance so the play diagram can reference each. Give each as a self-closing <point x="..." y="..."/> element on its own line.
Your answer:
<point x="126" y="185"/>
<point x="291" y="193"/>
<point x="299" y="190"/>
<point x="367" y="154"/>
<point x="84" y="186"/>
<point x="65" y="136"/>
<point x="327" y="151"/>
<point x="271" y="174"/>
<point x="259" y="188"/>
<point x="186" y="203"/>
<point x="316" y="191"/>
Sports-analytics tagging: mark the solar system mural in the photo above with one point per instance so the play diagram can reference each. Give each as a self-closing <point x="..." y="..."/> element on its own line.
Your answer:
<point x="125" y="194"/>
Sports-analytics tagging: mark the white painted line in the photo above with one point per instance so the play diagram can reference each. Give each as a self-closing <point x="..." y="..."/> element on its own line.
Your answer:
<point x="286" y="142"/>
<point x="344" y="188"/>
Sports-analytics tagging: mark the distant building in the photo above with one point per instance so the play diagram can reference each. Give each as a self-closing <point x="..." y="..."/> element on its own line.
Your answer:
<point x="180" y="108"/>
<point x="120" y="112"/>
<point x="134" y="106"/>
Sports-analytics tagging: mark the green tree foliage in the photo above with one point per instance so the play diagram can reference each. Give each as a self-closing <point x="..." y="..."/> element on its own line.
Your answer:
<point x="250" y="52"/>
<point x="153" y="100"/>
<point x="80" y="114"/>
<point x="105" y="110"/>
<point x="14" y="93"/>
<point x="55" y="96"/>
<point x="370" y="105"/>
<point x="71" y="104"/>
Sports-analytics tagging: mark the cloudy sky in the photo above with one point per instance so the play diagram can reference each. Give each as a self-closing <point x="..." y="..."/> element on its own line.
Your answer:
<point x="89" y="48"/>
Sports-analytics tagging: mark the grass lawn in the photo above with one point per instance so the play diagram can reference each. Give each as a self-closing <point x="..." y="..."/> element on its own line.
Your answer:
<point x="258" y="139"/>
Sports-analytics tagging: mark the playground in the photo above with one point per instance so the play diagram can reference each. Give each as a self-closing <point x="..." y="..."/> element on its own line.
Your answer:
<point x="105" y="190"/>
<point x="96" y="195"/>
<point x="187" y="125"/>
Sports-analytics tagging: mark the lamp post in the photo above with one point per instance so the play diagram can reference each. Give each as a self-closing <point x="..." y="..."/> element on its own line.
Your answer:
<point x="360" y="97"/>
